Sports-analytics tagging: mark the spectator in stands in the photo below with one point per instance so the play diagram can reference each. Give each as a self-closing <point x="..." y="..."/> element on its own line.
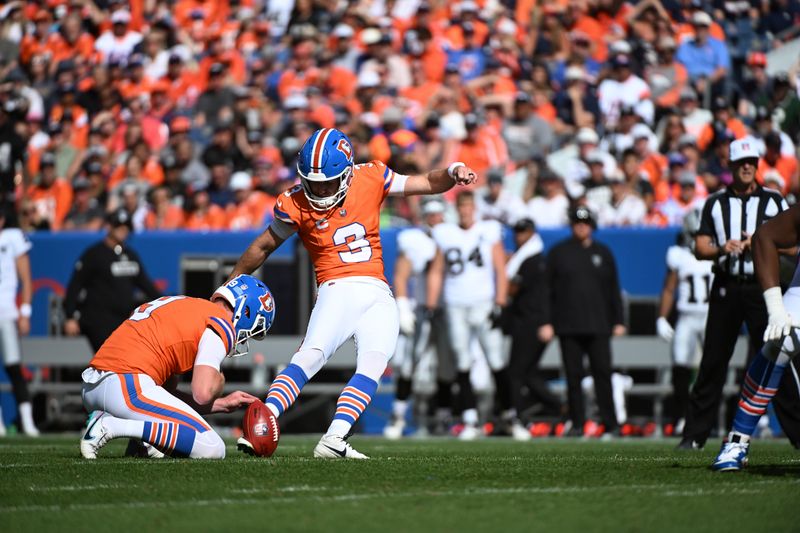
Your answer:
<point x="784" y="98"/>
<point x="496" y="203"/>
<point x="585" y="309"/>
<point x="694" y="117"/>
<point x="118" y="42"/>
<point x="249" y="206"/>
<point x="107" y="284"/>
<point x="202" y="214"/>
<point x="667" y="78"/>
<point x="755" y="87"/>
<point x="162" y="214"/>
<point x="706" y="58"/>
<point x="85" y="213"/>
<point x="772" y="159"/>
<point x="525" y="133"/>
<point x="723" y="119"/>
<point x="576" y="106"/>
<point x="676" y="207"/>
<point x="216" y="101"/>
<point x="549" y="209"/>
<point x="762" y="126"/>
<point x="623" y="89"/>
<point x="51" y="195"/>
<point x="480" y="150"/>
<point x="626" y="208"/>
<point x="597" y="184"/>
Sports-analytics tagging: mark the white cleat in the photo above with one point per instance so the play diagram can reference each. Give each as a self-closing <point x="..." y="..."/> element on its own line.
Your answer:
<point x="335" y="447"/>
<point x="153" y="452"/>
<point x="95" y="437"/>
<point x="394" y="431"/>
<point x="30" y="431"/>
<point x="469" y="433"/>
<point x="520" y="432"/>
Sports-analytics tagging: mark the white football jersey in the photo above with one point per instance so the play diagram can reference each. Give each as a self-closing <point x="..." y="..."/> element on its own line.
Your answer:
<point x="469" y="272"/>
<point x="694" y="279"/>
<point x="13" y="244"/>
<point x="418" y="247"/>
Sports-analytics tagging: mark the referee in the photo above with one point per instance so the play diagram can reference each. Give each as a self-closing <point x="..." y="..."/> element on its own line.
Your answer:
<point x="730" y="218"/>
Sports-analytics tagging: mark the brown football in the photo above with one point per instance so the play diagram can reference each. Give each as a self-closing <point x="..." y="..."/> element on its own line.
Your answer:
<point x="261" y="429"/>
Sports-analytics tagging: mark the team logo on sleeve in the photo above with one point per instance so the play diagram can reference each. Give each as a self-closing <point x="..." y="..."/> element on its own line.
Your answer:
<point x="345" y="148"/>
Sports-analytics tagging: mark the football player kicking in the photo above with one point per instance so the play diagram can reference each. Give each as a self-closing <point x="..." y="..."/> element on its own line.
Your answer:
<point x="782" y="336"/>
<point x="692" y="278"/>
<point x="130" y="385"/>
<point x="335" y="211"/>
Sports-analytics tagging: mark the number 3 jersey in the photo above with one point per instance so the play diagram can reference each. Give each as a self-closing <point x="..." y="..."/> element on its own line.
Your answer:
<point x="694" y="279"/>
<point x="469" y="272"/>
<point x="345" y="240"/>
<point x="161" y="338"/>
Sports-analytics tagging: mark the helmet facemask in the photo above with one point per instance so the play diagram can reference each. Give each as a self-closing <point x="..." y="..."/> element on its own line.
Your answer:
<point x="324" y="203"/>
<point x="258" y="331"/>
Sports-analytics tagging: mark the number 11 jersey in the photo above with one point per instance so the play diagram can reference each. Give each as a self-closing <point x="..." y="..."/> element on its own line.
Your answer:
<point x="345" y="240"/>
<point x="469" y="271"/>
<point x="694" y="279"/>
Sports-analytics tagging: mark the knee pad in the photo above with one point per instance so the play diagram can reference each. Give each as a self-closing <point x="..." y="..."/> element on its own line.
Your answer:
<point x="311" y="361"/>
<point x="208" y="445"/>
<point x="372" y="364"/>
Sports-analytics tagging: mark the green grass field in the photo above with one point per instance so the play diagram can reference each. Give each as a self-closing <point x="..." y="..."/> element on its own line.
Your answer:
<point x="414" y="485"/>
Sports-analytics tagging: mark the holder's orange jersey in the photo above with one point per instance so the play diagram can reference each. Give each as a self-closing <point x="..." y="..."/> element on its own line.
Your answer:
<point x="345" y="240"/>
<point x="161" y="338"/>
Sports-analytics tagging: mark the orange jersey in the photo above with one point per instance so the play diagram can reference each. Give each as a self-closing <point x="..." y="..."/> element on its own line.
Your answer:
<point x="161" y="337"/>
<point x="344" y="241"/>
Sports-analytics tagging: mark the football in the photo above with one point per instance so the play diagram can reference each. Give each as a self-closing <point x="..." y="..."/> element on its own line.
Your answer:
<point x="261" y="431"/>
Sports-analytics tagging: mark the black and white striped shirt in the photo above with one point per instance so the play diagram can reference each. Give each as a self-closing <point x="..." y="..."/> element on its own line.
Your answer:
<point x="727" y="216"/>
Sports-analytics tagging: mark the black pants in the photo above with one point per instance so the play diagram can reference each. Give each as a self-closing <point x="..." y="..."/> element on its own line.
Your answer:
<point x="731" y="304"/>
<point x="98" y="328"/>
<point x="523" y="364"/>
<point x="598" y="348"/>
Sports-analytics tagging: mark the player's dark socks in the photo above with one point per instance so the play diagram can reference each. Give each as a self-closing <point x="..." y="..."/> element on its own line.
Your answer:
<point x="403" y="389"/>
<point x="502" y="381"/>
<point x="466" y="396"/>
<point x="444" y="394"/>
<point x="18" y="384"/>
<point x="681" y="377"/>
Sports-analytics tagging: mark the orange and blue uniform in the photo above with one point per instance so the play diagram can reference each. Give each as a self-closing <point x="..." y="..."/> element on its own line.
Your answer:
<point x="345" y="240"/>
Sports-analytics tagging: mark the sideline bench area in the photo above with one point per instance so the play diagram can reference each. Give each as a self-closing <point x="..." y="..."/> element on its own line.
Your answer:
<point x="629" y="353"/>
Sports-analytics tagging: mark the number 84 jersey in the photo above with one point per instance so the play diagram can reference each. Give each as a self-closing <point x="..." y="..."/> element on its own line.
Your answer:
<point x="694" y="279"/>
<point x="344" y="241"/>
<point x="469" y="271"/>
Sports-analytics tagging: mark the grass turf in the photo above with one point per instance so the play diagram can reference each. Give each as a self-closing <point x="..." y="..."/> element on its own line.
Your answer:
<point x="411" y="485"/>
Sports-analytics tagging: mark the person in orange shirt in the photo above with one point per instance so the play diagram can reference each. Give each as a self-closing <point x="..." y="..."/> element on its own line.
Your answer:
<point x="67" y="109"/>
<point x="51" y="196"/>
<point x="71" y="41"/>
<point x="393" y="133"/>
<point x="37" y="42"/>
<point x="773" y="160"/>
<point x="162" y="213"/>
<point x="301" y="71"/>
<point x="479" y="150"/>
<point x="722" y="115"/>
<point x="203" y="215"/>
<point x="422" y="89"/>
<point x="184" y="86"/>
<point x="336" y="213"/>
<point x="467" y="12"/>
<point x="130" y="386"/>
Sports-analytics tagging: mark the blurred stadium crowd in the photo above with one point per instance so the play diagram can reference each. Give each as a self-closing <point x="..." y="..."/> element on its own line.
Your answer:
<point x="189" y="113"/>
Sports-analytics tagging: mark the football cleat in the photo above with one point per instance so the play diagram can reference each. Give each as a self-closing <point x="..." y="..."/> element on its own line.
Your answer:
<point x="519" y="432"/>
<point x="394" y="430"/>
<point x="469" y="433"/>
<point x="244" y="446"/>
<point x="336" y="447"/>
<point x="732" y="456"/>
<point x="95" y="437"/>
<point x="689" y="444"/>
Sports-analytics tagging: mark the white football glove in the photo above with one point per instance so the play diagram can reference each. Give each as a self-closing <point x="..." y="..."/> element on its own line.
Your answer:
<point x="664" y="329"/>
<point x="405" y="312"/>
<point x="780" y="322"/>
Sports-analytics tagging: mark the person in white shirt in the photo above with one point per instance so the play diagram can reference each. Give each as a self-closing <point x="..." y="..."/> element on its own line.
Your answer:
<point x="694" y="117"/>
<point x="692" y="279"/>
<point x="469" y="272"/>
<point x="675" y="209"/>
<point x="549" y="210"/>
<point x="118" y="43"/>
<point x="420" y="335"/>
<point x="621" y="89"/>
<point x="625" y="209"/>
<point x="15" y="321"/>
<point x="498" y="204"/>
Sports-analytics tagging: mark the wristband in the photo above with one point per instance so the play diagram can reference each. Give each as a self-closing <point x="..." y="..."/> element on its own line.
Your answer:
<point x="451" y="170"/>
<point x="25" y="310"/>
<point x="774" y="300"/>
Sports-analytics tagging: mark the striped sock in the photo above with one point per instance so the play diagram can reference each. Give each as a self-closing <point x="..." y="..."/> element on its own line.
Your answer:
<point x="171" y="438"/>
<point x="353" y="401"/>
<point x="760" y="385"/>
<point x="285" y="389"/>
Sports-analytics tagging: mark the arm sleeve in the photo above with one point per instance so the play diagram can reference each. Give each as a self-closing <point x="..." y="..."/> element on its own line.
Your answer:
<point x="398" y="185"/>
<point x="210" y="350"/>
<point x="224" y="330"/>
<point x="282" y="229"/>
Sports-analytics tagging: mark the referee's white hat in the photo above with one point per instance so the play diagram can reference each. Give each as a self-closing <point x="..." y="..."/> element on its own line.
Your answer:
<point x="743" y="149"/>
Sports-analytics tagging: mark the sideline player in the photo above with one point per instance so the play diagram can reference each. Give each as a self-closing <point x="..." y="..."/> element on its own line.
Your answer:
<point x="418" y="336"/>
<point x="692" y="278"/>
<point x="130" y="385"/>
<point x="335" y="211"/>
<point x="15" y="267"/>
<point x="469" y="268"/>
<point x="782" y="337"/>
